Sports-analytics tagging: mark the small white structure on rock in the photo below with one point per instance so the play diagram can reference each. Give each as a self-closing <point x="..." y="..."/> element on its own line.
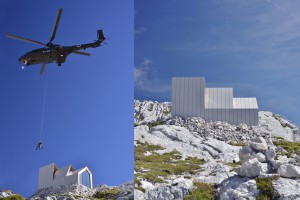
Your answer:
<point x="50" y="175"/>
<point x="191" y="98"/>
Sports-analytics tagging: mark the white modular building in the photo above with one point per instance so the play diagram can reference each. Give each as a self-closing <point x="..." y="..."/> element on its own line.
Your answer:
<point x="50" y="175"/>
<point x="191" y="98"/>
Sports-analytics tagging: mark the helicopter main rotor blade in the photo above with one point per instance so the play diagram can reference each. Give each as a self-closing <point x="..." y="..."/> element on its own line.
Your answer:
<point x="23" y="39"/>
<point x="43" y="69"/>
<point x="82" y="53"/>
<point x="56" y="24"/>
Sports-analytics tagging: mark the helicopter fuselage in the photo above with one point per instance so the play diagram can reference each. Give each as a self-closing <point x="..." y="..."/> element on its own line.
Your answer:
<point x="53" y="53"/>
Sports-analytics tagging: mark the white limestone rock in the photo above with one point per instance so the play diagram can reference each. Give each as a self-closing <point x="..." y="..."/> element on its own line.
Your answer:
<point x="270" y="154"/>
<point x="139" y="194"/>
<point x="173" y="138"/>
<point x="151" y="111"/>
<point x="252" y="168"/>
<point x="289" y="171"/>
<point x="176" y="190"/>
<point x="147" y="185"/>
<point x="227" y="153"/>
<point x="287" y="188"/>
<point x="68" y="192"/>
<point x="246" y="153"/>
<point x="272" y="124"/>
<point x="214" y="173"/>
<point x="6" y="193"/>
<point x="259" y="144"/>
<point x="237" y="187"/>
<point x="276" y="163"/>
<point x="260" y="157"/>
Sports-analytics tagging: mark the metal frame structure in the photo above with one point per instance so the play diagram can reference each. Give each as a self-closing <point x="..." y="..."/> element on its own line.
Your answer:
<point x="50" y="175"/>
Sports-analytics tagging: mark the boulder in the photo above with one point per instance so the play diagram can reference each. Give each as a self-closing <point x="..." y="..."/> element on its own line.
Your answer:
<point x="246" y="153"/>
<point x="214" y="173"/>
<point x="259" y="144"/>
<point x="260" y="157"/>
<point x="163" y="192"/>
<point x="276" y="163"/>
<point x="252" y="168"/>
<point x="287" y="188"/>
<point x="270" y="154"/>
<point x="289" y="171"/>
<point x="236" y="187"/>
<point x="138" y="194"/>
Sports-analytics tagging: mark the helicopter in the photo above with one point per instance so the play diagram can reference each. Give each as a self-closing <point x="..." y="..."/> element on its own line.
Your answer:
<point x="53" y="52"/>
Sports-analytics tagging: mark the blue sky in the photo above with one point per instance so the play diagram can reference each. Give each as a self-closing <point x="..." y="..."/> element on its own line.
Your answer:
<point x="88" y="112"/>
<point x="252" y="46"/>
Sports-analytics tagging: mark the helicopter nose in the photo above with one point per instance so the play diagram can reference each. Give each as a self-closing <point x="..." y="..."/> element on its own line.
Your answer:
<point x="23" y="60"/>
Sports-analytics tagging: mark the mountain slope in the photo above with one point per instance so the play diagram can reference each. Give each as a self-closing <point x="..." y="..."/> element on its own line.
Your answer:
<point x="165" y="146"/>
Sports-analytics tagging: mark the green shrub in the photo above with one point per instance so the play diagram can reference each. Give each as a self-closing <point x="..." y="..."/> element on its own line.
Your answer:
<point x="202" y="191"/>
<point x="162" y="165"/>
<point x="290" y="147"/>
<point x="150" y="125"/>
<point x="108" y="194"/>
<point x="236" y="164"/>
<point x="13" y="197"/>
<point x="236" y="144"/>
<point x="266" y="188"/>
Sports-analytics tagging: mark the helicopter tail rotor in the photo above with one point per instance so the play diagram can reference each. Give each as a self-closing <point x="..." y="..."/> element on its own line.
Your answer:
<point x="100" y="35"/>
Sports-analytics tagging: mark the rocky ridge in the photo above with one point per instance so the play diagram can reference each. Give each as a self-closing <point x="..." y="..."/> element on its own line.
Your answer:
<point x="79" y="192"/>
<point x="236" y="157"/>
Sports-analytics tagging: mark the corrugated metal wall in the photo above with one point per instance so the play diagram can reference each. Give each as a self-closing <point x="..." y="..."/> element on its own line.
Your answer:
<point x="186" y="98"/>
<point x="46" y="176"/>
<point x="190" y="98"/>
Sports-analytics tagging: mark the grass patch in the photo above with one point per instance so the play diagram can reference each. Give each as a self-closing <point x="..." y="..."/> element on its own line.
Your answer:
<point x="266" y="188"/>
<point x="236" y="164"/>
<point x="166" y="112"/>
<point x="150" y="125"/>
<point x="13" y="197"/>
<point x="160" y="166"/>
<point x="236" y="144"/>
<point x="290" y="147"/>
<point x="108" y="194"/>
<point x="138" y="185"/>
<point x="202" y="191"/>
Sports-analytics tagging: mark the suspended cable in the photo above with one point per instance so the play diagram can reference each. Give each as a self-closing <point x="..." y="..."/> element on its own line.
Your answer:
<point x="42" y="121"/>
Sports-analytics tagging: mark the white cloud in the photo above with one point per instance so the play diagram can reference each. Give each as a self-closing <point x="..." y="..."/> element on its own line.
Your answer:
<point x="147" y="80"/>
<point x="140" y="30"/>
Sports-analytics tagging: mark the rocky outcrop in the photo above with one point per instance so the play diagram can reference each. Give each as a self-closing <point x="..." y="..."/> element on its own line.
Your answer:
<point x="213" y="142"/>
<point x="289" y="171"/>
<point x="270" y="125"/>
<point x="72" y="192"/>
<point x="236" y="187"/>
<point x="287" y="188"/>
<point x="7" y="193"/>
<point x="151" y="111"/>
<point x="259" y="160"/>
<point x="253" y="168"/>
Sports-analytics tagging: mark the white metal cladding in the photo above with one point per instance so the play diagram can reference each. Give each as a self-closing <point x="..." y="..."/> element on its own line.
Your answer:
<point x="46" y="175"/>
<point x="50" y="175"/>
<point x="218" y="98"/>
<point x="190" y="98"/>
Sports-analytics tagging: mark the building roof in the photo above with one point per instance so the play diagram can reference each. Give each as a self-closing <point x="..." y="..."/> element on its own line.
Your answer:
<point x="63" y="172"/>
<point x="245" y="103"/>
